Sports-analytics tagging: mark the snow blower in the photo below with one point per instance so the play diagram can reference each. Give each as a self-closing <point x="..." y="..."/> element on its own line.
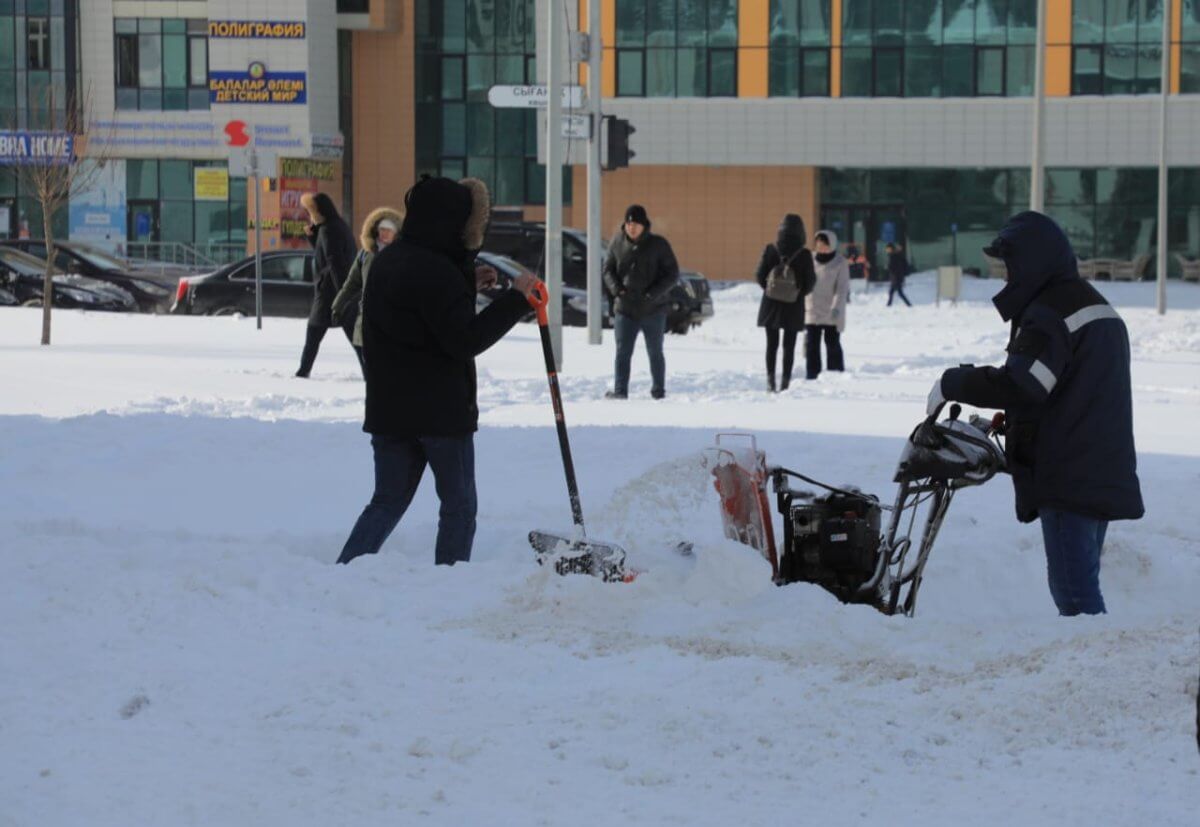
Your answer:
<point x="576" y="554"/>
<point x="835" y="539"/>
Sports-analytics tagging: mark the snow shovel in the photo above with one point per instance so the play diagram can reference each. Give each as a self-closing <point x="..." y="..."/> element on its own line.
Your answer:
<point x="575" y="554"/>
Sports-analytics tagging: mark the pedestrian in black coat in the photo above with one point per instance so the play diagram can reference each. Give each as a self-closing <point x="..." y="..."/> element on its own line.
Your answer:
<point x="778" y="317"/>
<point x="420" y="339"/>
<point x="639" y="273"/>
<point x="897" y="265"/>
<point x="1065" y="389"/>
<point x="333" y="256"/>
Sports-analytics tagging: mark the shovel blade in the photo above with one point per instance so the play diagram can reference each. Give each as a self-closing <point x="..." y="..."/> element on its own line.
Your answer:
<point x="572" y="555"/>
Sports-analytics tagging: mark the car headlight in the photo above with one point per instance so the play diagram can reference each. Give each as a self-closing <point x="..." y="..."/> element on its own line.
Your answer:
<point x="81" y="296"/>
<point x="156" y="290"/>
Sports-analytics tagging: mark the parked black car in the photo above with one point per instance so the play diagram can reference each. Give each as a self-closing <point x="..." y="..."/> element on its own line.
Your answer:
<point x="574" y="312"/>
<point x="287" y="279"/>
<point x="524" y="241"/>
<point x="151" y="290"/>
<point x="7" y="298"/>
<point x="23" y="276"/>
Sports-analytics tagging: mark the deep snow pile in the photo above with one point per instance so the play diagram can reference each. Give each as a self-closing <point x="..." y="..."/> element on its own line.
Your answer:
<point x="178" y="648"/>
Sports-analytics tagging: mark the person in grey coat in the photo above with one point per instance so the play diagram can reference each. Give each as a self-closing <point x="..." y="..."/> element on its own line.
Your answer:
<point x="777" y="317"/>
<point x="825" y="306"/>
<point x="378" y="231"/>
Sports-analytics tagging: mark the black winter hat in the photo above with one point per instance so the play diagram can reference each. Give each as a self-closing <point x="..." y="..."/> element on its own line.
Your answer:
<point x="637" y="214"/>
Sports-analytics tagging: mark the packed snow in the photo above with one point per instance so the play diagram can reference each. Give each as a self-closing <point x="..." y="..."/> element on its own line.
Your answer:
<point x="179" y="648"/>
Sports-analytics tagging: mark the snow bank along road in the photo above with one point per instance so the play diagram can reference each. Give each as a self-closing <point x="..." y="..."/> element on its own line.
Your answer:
<point x="179" y="649"/>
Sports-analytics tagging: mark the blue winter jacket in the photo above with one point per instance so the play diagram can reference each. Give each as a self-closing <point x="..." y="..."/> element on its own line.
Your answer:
<point x="1065" y="386"/>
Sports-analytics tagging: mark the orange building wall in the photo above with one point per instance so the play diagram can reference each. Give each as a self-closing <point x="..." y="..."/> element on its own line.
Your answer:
<point x="724" y="242"/>
<point x="385" y="148"/>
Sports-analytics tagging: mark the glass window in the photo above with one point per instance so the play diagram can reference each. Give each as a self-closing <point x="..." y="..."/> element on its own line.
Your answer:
<point x="453" y="86"/>
<point x="889" y="73"/>
<point x="923" y="72"/>
<point x="722" y="73"/>
<point x="1086" y="78"/>
<point x="149" y="61"/>
<point x="631" y="22"/>
<point x="1189" y="82"/>
<point x="660" y="73"/>
<point x="958" y="21"/>
<point x="198" y="61"/>
<point x="141" y="180"/>
<point x="784" y="72"/>
<point x="454" y="129"/>
<point x="814" y="22"/>
<point x="856" y="22"/>
<point x="175" y="180"/>
<point x="1019" y="71"/>
<point x="923" y="22"/>
<point x="481" y="129"/>
<point x="174" y="56"/>
<point x="8" y="49"/>
<point x="629" y="73"/>
<point x="1022" y="21"/>
<point x="722" y="23"/>
<point x="284" y="268"/>
<point x="175" y="221"/>
<point x="693" y="22"/>
<point x="888" y="22"/>
<point x="816" y="72"/>
<point x="1087" y="21"/>
<point x="989" y="68"/>
<point x="856" y="72"/>
<point x="691" y="72"/>
<point x="1120" y="68"/>
<point x="991" y="21"/>
<point x="958" y="71"/>
<point x="37" y="48"/>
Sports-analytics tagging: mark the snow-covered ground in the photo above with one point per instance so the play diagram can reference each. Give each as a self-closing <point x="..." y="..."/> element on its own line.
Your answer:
<point x="178" y="648"/>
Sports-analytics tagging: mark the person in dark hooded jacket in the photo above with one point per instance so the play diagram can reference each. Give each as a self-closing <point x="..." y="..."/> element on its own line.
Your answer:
<point x="1065" y="390"/>
<point x="638" y="274"/>
<point x="420" y="339"/>
<point x="333" y="255"/>
<point x="776" y="316"/>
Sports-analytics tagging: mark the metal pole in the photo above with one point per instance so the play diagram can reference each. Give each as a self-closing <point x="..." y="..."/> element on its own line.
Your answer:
<point x="554" y="163"/>
<point x="1162" y="158"/>
<point x="595" y="303"/>
<point x="257" y="238"/>
<point x="1037" y="170"/>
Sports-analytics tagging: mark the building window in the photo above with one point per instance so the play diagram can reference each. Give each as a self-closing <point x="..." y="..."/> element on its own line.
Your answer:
<point x="37" y="42"/>
<point x="1116" y="47"/>
<point x="1189" y="80"/>
<point x="161" y="64"/>
<point x="931" y="49"/>
<point x="464" y="47"/>
<point x="799" y="40"/>
<point x="676" y="48"/>
<point x="161" y="194"/>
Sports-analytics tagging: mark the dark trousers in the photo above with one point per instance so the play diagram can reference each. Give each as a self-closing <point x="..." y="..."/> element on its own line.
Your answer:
<point x="1074" y="544"/>
<point x="897" y="287"/>
<point x="399" y="465"/>
<point x="812" y="349"/>
<point x="654" y="329"/>
<point x="789" y="355"/>
<point x="312" y="343"/>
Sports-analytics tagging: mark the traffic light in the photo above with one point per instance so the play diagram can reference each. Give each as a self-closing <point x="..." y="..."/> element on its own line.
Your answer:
<point x="619" y="153"/>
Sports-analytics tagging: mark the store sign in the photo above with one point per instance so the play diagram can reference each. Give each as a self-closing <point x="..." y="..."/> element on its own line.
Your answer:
<point x="36" y="148"/>
<point x="98" y="214"/>
<point x="299" y="168"/>
<point x="212" y="184"/>
<point x="328" y="146"/>
<point x="293" y="217"/>
<point x="257" y="29"/>
<point x="257" y="86"/>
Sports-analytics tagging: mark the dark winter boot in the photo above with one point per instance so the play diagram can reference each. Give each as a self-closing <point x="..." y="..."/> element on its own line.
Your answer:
<point x="787" y="380"/>
<point x="615" y="395"/>
<point x="771" y="383"/>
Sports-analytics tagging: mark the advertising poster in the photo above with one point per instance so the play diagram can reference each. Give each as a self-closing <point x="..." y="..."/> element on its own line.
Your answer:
<point x="293" y="218"/>
<point x="212" y="184"/>
<point x="98" y="216"/>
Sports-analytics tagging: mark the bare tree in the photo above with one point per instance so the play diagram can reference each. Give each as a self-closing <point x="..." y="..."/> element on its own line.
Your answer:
<point x="57" y="170"/>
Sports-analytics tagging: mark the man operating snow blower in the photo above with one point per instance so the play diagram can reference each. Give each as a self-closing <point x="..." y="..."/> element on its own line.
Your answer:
<point x="1065" y="391"/>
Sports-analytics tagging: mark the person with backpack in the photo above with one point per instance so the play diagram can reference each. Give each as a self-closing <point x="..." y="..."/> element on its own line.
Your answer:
<point x="897" y="266"/>
<point x="378" y="231"/>
<point x="825" y="306"/>
<point x="785" y="273"/>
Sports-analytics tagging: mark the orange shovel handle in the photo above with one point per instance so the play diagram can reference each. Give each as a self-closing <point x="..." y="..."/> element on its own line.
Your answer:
<point x="539" y="299"/>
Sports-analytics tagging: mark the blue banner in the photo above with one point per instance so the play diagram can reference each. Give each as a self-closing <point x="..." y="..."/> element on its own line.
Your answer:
<point x="256" y="85"/>
<point x="38" y="148"/>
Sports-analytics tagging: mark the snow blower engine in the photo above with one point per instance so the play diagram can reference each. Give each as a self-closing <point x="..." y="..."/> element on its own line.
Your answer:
<point x="837" y="539"/>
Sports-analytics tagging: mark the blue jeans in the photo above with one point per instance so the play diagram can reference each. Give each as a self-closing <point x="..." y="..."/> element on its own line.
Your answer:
<point x="1073" y="547"/>
<point x="653" y="328"/>
<point x="399" y="465"/>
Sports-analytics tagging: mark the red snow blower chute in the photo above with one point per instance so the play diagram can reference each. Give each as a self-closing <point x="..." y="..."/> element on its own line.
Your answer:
<point x="835" y="539"/>
<point x="575" y="554"/>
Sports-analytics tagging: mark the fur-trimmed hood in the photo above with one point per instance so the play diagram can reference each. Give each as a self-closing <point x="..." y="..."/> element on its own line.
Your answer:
<point x="367" y="237"/>
<point x="448" y="216"/>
